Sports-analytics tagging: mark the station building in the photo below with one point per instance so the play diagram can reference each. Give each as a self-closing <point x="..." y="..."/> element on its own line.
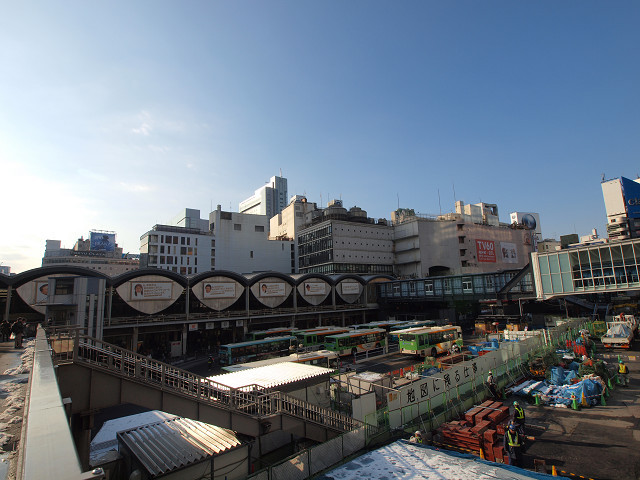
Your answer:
<point x="165" y="314"/>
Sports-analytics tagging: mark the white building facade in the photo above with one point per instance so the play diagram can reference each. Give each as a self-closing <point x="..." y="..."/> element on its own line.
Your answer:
<point x="243" y="245"/>
<point x="268" y="200"/>
<point x="186" y="246"/>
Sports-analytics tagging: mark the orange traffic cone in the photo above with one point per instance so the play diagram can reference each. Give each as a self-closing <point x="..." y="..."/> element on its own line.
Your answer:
<point x="481" y="454"/>
<point x="553" y="471"/>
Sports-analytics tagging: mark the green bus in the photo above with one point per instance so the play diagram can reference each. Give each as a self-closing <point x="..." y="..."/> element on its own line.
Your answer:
<point x="272" y="332"/>
<point x="316" y="336"/>
<point x="350" y="343"/>
<point x="430" y="341"/>
<point x="256" y="350"/>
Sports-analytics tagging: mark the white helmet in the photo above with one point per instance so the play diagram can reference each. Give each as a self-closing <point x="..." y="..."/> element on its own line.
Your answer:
<point x="418" y="434"/>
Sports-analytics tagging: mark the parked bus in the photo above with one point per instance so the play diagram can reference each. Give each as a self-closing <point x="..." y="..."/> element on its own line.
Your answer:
<point x="321" y="358"/>
<point x="316" y="337"/>
<point x="256" y="350"/>
<point x="394" y="333"/>
<point x="272" y="332"/>
<point x="429" y="341"/>
<point x="351" y="343"/>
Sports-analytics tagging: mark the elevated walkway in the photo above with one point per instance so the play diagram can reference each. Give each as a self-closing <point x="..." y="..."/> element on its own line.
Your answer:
<point x="95" y="375"/>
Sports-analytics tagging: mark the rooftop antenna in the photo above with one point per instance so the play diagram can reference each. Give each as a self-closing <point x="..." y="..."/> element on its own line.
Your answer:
<point x="602" y="178"/>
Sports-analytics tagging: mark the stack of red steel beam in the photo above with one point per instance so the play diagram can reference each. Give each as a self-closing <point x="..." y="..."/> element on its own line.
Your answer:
<point x="481" y="428"/>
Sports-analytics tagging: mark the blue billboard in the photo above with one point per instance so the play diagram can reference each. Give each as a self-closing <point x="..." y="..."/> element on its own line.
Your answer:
<point x="631" y="195"/>
<point x="104" y="242"/>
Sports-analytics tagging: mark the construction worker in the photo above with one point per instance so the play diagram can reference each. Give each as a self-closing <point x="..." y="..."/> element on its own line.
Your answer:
<point x="416" y="437"/>
<point x="513" y="445"/>
<point x="518" y="419"/>
<point x="623" y="373"/>
<point x="493" y="386"/>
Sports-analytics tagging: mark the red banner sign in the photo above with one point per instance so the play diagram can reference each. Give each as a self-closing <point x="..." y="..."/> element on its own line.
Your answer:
<point x="486" y="251"/>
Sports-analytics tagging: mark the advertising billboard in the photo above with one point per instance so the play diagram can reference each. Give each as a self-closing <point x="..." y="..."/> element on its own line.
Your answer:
<point x="530" y="220"/>
<point x="350" y="288"/>
<point x="315" y="288"/>
<point x="150" y="290"/>
<point x="219" y="290"/>
<point x="509" y="253"/>
<point x="101" y="241"/>
<point x="272" y="289"/>
<point x="42" y="292"/>
<point x="631" y="193"/>
<point x="486" y="251"/>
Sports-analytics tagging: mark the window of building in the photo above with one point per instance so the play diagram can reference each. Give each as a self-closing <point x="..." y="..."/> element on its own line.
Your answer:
<point x="182" y="240"/>
<point x="237" y="227"/>
<point x="162" y="259"/>
<point x="161" y="238"/>
<point x="251" y="254"/>
<point x="259" y="228"/>
<point x="183" y="250"/>
<point x="213" y="243"/>
<point x="188" y="240"/>
<point x="463" y="252"/>
<point x="170" y="260"/>
<point x="161" y="248"/>
<point x="461" y="239"/>
<point x="460" y="227"/>
<point x="64" y="286"/>
<point x="467" y="286"/>
<point x="213" y="262"/>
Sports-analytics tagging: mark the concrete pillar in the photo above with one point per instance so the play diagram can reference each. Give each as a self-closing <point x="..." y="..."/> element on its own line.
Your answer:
<point x="184" y="338"/>
<point x="134" y="339"/>
<point x="7" y="308"/>
<point x="186" y="307"/>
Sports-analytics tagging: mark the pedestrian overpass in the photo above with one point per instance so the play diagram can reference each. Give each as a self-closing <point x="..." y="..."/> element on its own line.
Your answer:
<point x="93" y="375"/>
<point x="588" y="269"/>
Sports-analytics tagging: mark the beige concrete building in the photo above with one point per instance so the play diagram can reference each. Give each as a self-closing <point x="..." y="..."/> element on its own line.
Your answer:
<point x="468" y="241"/>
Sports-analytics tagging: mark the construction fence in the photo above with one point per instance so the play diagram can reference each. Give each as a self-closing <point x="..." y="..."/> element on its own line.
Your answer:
<point x="313" y="460"/>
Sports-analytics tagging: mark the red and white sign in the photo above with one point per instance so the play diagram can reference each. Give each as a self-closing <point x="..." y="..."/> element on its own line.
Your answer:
<point x="486" y="251"/>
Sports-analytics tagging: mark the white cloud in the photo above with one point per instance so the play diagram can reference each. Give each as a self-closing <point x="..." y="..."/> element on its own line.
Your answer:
<point x="135" y="187"/>
<point x="144" y="129"/>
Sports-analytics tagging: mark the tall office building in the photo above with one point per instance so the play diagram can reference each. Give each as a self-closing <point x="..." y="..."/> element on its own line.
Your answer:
<point x="622" y="202"/>
<point x="268" y="200"/>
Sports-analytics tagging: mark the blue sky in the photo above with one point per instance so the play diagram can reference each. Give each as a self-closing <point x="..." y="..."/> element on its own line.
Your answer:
<point x="116" y="115"/>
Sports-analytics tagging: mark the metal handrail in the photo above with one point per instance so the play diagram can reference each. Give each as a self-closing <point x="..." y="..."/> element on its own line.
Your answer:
<point x="253" y="400"/>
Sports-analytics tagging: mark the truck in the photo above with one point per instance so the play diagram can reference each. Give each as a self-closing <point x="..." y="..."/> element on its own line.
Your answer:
<point x="619" y="334"/>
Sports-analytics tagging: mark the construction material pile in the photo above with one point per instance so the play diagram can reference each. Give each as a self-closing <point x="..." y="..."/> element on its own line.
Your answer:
<point x="481" y="429"/>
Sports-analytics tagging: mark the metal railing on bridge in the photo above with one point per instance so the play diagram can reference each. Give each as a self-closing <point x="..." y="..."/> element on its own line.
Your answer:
<point x="253" y="400"/>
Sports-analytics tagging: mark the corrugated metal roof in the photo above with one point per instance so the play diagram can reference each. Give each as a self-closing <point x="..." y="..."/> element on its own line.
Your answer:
<point x="172" y="444"/>
<point x="271" y="376"/>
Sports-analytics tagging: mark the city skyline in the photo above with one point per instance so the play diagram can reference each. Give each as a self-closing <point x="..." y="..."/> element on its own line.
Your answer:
<point x="117" y="116"/>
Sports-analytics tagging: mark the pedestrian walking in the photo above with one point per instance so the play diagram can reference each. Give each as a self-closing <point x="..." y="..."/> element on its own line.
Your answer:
<point x="18" y="330"/>
<point x="5" y="330"/>
<point x="493" y="386"/>
<point x="623" y="373"/>
<point x="513" y="445"/>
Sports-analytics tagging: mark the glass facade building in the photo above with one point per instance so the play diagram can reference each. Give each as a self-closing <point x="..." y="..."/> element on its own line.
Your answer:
<point x="587" y="269"/>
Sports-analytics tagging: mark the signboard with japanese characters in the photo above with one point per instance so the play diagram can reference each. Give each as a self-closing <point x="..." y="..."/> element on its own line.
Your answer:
<point x="486" y="251"/>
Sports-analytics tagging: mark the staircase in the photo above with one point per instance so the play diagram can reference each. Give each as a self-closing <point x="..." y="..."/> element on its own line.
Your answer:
<point x="252" y="400"/>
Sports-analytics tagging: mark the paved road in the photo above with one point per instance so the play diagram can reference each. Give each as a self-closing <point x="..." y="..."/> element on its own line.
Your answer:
<point x="601" y="442"/>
